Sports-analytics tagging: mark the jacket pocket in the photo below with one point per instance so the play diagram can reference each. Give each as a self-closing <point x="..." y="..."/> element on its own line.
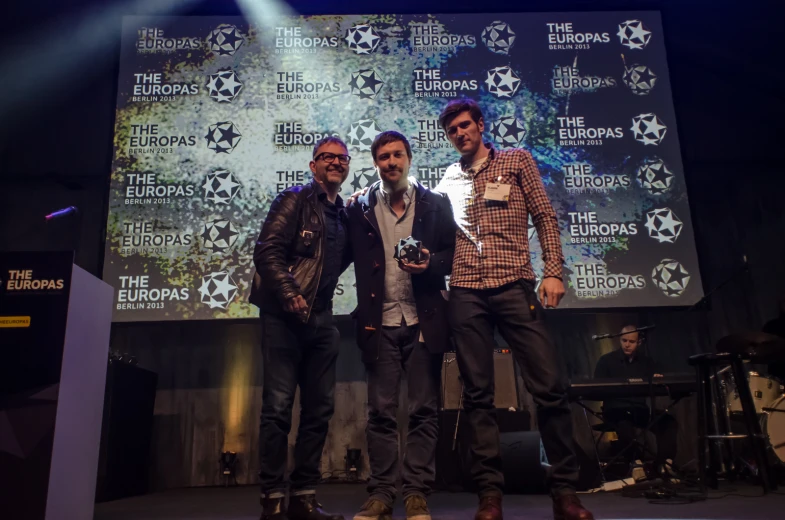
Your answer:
<point x="306" y="243"/>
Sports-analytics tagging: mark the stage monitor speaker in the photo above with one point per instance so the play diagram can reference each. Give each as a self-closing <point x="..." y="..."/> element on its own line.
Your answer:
<point x="506" y="391"/>
<point x="127" y="432"/>
<point x="453" y="466"/>
<point x="524" y="463"/>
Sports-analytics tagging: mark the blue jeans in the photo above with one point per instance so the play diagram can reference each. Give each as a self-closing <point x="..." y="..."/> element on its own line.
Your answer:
<point x="400" y="351"/>
<point x="305" y="355"/>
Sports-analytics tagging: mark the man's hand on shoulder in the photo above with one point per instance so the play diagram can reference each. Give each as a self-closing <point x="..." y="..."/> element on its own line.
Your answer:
<point x="551" y="292"/>
<point x="356" y="195"/>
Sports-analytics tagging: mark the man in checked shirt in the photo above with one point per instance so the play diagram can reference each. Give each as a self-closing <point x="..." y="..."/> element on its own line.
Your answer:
<point x="492" y="284"/>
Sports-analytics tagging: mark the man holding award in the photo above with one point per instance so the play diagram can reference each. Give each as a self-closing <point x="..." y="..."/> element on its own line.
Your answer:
<point x="402" y="237"/>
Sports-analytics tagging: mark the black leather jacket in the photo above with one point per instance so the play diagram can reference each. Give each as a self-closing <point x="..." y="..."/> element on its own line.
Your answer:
<point x="289" y="252"/>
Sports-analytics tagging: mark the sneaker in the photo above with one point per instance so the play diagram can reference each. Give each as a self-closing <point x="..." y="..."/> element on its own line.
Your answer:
<point x="374" y="509"/>
<point x="416" y="508"/>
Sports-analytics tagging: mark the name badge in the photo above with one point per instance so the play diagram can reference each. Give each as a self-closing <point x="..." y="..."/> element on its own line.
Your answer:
<point x="496" y="191"/>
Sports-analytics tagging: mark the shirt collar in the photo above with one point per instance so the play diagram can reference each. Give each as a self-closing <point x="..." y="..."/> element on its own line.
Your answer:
<point x="322" y="195"/>
<point x="407" y="197"/>
<point x="491" y="154"/>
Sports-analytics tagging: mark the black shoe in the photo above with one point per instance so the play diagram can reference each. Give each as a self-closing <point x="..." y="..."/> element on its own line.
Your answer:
<point x="272" y="509"/>
<point x="305" y="507"/>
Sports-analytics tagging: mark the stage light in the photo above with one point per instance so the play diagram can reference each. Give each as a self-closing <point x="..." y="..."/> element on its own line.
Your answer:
<point x="265" y="13"/>
<point x="228" y="460"/>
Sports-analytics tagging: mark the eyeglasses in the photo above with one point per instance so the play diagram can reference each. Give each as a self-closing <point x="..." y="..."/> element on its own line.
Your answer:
<point x="330" y="157"/>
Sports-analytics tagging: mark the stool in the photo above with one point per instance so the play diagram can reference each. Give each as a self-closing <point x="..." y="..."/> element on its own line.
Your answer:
<point x="704" y="364"/>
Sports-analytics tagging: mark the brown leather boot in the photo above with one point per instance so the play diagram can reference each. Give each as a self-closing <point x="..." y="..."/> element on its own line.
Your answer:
<point x="490" y="508"/>
<point x="569" y="507"/>
<point x="273" y="509"/>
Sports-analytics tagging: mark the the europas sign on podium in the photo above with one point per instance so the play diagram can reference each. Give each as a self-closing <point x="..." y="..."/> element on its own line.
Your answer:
<point x="54" y="332"/>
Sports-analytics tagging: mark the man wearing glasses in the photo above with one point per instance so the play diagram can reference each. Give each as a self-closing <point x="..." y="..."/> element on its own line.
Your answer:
<point x="301" y="252"/>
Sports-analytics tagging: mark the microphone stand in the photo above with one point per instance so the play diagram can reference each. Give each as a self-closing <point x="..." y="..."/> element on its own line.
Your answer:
<point x="38" y="227"/>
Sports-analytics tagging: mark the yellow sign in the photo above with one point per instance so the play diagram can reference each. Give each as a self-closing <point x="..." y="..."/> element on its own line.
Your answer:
<point x="14" y="322"/>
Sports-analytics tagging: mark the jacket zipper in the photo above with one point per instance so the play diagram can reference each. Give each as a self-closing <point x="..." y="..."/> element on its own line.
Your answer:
<point x="321" y="264"/>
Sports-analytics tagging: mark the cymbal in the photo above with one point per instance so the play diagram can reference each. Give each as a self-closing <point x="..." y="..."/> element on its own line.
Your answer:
<point x="759" y="346"/>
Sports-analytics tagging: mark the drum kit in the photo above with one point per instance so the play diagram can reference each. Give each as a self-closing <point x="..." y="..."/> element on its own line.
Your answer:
<point x="768" y="393"/>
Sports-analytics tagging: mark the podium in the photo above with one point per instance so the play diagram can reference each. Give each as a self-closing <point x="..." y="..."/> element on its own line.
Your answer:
<point x="55" y="320"/>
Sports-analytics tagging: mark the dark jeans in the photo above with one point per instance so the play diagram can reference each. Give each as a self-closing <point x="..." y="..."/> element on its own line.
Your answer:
<point x="515" y="310"/>
<point x="401" y="352"/>
<point x="305" y="355"/>
<point x="628" y="422"/>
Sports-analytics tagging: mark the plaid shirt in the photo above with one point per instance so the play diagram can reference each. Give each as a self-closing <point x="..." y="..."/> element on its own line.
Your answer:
<point x="492" y="245"/>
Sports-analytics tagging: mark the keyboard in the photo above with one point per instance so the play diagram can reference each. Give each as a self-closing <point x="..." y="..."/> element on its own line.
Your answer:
<point x="590" y="389"/>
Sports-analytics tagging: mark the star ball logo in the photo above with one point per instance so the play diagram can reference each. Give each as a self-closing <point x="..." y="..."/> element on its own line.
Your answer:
<point x="648" y="129"/>
<point x="670" y="277"/>
<point x="366" y="83"/>
<point x="219" y="235"/>
<point x="223" y="137"/>
<point x="362" y="39"/>
<point x="633" y="34"/>
<point x="502" y="82"/>
<point x="364" y="178"/>
<point x="217" y="290"/>
<point x="408" y="248"/>
<point x="225" y="40"/>
<point x="498" y="37"/>
<point x="362" y="134"/>
<point x="655" y="176"/>
<point x="224" y="86"/>
<point x="220" y="187"/>
<point x="663" y="225"/>
<point x="639" y="79"/>
<point x="508" y="131"/>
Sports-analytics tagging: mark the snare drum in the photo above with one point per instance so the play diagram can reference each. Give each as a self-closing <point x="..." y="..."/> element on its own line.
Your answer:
<point x="773" y="426"/>
<point x="765" y="390"/>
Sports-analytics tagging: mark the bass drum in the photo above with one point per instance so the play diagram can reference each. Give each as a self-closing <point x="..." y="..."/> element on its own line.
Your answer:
<point x="765" y="390"/>
<point x="773" y="426"/>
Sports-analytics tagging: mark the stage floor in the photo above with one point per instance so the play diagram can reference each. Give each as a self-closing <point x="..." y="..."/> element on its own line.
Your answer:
<point x="241" y="503"/>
